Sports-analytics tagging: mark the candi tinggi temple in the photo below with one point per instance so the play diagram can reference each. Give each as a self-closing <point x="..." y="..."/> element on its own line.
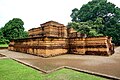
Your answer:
<point x="53" y="38"/>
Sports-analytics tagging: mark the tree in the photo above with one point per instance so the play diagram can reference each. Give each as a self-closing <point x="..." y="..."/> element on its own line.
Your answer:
<point x="25" y="34"/>
<point x="100" y="10"/>
<point x="2" y="39"/>
<point x="1" y="34"/>
<point x="90" y="28"/>
<point x="14" y="29"/>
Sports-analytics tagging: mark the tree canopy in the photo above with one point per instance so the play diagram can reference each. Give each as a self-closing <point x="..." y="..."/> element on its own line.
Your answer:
<point x="14" y="29"/>
<point x="89" y="27"/>
<point x="2" y="39"/>
<point x="103" y="15"/>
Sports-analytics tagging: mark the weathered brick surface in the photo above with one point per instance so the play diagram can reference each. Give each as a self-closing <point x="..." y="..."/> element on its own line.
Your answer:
<point x="53" y="39"/>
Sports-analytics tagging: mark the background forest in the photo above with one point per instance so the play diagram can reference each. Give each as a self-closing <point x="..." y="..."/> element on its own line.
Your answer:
<point x="97" y="18"/>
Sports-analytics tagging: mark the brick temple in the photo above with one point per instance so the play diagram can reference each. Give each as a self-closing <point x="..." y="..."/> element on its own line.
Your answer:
<point x="53" y="38"/>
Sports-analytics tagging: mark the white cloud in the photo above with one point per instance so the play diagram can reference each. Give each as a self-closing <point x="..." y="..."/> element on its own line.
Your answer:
<point x="36" y="12"/>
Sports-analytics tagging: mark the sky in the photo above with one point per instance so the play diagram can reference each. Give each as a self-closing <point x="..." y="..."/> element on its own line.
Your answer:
<point x="36" y="12"/>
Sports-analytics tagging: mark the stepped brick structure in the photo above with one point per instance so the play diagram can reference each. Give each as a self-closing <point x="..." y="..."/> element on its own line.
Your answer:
<point x="53" y="38"/>
<point x="49" y="29"/>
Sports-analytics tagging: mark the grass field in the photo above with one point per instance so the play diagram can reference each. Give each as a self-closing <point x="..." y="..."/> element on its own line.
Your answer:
<point x="3" y="45"/>
<point x="12" y="70"/>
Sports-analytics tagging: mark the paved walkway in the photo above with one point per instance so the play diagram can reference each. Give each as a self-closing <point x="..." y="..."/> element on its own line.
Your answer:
<point x="100" y="64"/>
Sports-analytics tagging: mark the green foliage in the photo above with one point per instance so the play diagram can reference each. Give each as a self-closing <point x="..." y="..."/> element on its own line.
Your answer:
<point x="25" y="34"/>
<point x="90" y="28"/>
<point x="12" y="70"/>
<point x="82" y="27"/>
<point x="1" y="34"/>
<point x="105" y="15"/>
<point x="14" y="29"/>
<point x="2" y="39"/>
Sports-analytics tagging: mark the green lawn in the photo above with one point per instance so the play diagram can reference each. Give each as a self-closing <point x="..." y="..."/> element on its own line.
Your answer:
<point x="12" y="70"/>
<point x="3" y="45"/>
